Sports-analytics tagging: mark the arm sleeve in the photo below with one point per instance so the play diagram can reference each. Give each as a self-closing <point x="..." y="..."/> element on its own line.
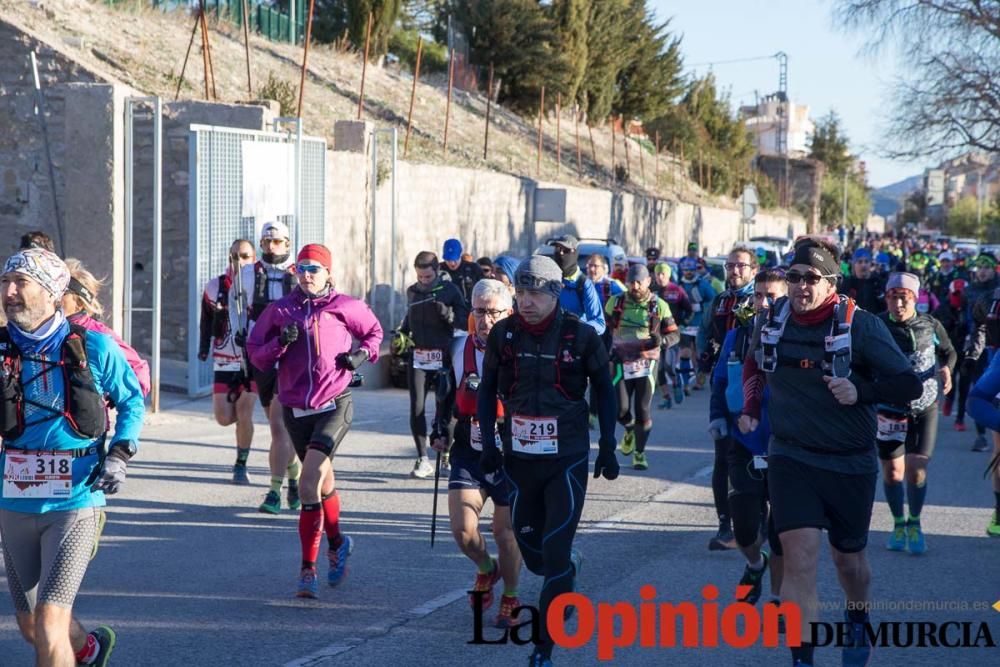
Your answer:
<point x="717" y="406"/>
<point x="945" y="351"/>
<point x="754" y="379"/>
<point x="364" y="326"/>
<point x="486" y="397"/>
<point x="120" y="383"/>
<point x="671" y="335"/>
<point x="981" y="399"/>
<point x="599" y="373"/>
<point x="592" y="308"/>
<point x="263" y="346"/>
<point x="205" y="325"/>
<point x="894" y="381"/>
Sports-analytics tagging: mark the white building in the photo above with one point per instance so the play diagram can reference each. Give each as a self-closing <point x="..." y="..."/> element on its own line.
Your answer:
<point x="764" y="120"/>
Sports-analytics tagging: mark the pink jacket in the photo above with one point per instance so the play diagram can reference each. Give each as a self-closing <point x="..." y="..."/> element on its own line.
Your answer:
<point x="138" y="364"/>
<point x="308" y="375"/>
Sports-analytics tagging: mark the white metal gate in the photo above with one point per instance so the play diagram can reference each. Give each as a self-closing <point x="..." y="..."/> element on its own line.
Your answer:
<point x="240" y="179"/>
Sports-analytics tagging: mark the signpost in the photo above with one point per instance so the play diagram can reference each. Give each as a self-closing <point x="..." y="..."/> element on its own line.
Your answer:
<point x="748" y="209"/>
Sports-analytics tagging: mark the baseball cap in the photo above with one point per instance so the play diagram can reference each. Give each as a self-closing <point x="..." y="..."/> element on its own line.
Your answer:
<point x="566" y="240"/>
<point x="274" y="230"/>
<point x="637" y="272"/>
<point x="452" y="250"/>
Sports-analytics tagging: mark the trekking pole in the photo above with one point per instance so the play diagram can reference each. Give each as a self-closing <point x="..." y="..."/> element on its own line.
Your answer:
<point x="434" y="511"/>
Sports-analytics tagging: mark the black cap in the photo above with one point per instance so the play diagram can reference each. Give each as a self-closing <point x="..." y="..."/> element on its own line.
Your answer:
<point x="566" y="240"/>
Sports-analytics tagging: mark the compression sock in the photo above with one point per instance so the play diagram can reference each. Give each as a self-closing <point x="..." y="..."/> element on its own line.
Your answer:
<point x="486" y="567"/>
<point x="915" y="494"/>
<point x="510" y="592"/>
<point x="242" y="455"/>
<point x="91" y="648"/>
<point x="276" y="483"/>
<point x="894" y="496"/>
<point x="310" y="532"/>
<point x="331" y="519"/>
<point x="803" y="653"/>
<point x="293" y="470"/>
<point x="641" y="438"/>
<point x="996" y="495"/>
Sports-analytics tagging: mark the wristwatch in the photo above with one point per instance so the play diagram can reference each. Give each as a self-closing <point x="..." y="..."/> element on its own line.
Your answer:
<point x="127" y="446"/>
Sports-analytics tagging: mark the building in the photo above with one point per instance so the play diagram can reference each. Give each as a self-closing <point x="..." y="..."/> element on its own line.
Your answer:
<point x="763" y="120"/>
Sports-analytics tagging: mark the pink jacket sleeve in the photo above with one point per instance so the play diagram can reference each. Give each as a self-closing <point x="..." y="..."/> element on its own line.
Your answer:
<point x="139" y="365"/>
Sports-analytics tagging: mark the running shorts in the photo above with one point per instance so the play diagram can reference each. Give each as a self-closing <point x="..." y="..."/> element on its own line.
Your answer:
<point x="323" y="431"/>
<point x="921" y="436"/>
<point x="224" y="381"/>
<point x="46" y="555"/>
<point x="466" y="474"/>
<point x="266" y="383"/>
<point x="743" y="477"/>
<point x="803" y="496"/>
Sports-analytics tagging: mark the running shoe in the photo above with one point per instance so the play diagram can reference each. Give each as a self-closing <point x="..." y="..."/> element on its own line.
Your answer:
<point x="724" y="539"/>
<point x="959" y="425"/>
<point x="271" y="504"/>
<point x="679" y="393"/>
<point x="338" y="560"/>
<point x="539" y="659"/>
<point x="857" y="651"/>
<point x="687" y="390"/>
<point x="639" y="461"/>
<point x="980" y="444"/>
<point x="754" y="579"/>
<point x="993" y="530"/>
<point x="592" y="421"/>
<point x="781" y="617"/>
<point x="665" y="404"/>
<point x="292" y="496"/>
<point x="107" y="638"/>
<point x="484" y="584"/>
<point x="240" y="475"/>
<point x="505" y="617"/>
<point x="628" y="443"/>
<point x="446" y="462"/>
<point x="422" y="469"/>
<point x="915" y="542"/>
<point x="308" y="584"/>
<point x="946" y="408"/>
<point x="897" y="538"/>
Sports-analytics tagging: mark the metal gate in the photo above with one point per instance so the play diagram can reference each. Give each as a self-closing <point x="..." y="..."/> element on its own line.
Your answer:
<point x="240" y="179"/>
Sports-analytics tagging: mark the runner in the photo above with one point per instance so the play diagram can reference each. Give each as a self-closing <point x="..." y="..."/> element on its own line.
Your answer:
<point x="668" y="378"/>
<point x="640" y="323"/>
<point x="700" y="295"/>
<point x="982" y="407"/>
<point x="983" y="298"/>
<point x="951" y="315"/>
<point x="435" y="310"/>
<point x="822" y="464"/>
<point x="308" y="334"/>
<point x="223" y="326"/>
<point x="274" y="278"/>
<point x="911" y="432"/>
<point x="81" y="307"/>
<point x="539" y="363"/>
<point x="461" y="271"/>
<point x="504" y="268"/>
<point x="741" y="266"/>
<point x="50" y="524"/>
<point x="579" y="296"/>
<point x="468" y="487"/>
<point x="747" y="457"/>
<point x="607" y="287"/>
<point x="865" y="287"/>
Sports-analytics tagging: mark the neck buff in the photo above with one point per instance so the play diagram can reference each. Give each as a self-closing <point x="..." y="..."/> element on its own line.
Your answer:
<point x="540" y="328"/>
<point x="821" y="314"/>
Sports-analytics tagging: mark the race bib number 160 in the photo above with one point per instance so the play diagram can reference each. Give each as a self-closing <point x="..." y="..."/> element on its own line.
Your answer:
<point x="535" y="435"/>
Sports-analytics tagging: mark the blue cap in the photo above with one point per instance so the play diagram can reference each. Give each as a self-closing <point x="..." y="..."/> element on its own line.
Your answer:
<point x="882" y="258"/>
<point x="452" y="250"/>
<point x="861" y="253"/>
<point x="508" y="265"/>
<point x="688" y="264"/>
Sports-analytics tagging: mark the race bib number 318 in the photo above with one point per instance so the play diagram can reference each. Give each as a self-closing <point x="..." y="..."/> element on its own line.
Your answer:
<point x="535" y="435"/>
<point x="38" y="475"/>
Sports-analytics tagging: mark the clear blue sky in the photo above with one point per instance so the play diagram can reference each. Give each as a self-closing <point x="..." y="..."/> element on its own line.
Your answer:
<point x="824" y="68"/>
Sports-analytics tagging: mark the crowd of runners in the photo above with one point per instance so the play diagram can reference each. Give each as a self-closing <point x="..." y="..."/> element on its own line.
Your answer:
<point x="528" y="361"/>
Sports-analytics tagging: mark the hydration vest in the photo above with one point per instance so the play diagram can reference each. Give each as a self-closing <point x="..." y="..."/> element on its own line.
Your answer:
<point x="652" y="307"/>
<point x="837" y="346"/>
<point x="918" y="343"/>
<point x="261" y="288"/>
<point x="83" y="406"/>
<point x="465" y="397"/>
<point x="993" y="320"/>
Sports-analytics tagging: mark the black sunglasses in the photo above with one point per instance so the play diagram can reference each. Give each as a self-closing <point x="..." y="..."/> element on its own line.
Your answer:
<point x="241" y="255"/>
<point x="794" y="277"/>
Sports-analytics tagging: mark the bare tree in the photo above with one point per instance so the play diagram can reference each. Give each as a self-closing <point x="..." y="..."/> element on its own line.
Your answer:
<point x="949" y="97"/>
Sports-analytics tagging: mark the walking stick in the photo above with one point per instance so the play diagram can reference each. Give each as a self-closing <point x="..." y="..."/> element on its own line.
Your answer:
<point x="434" y="512"/>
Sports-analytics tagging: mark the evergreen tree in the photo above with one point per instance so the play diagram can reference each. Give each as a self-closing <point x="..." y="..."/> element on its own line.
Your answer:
<point x="830" y="144"/>
<point x="570" y="17"/>
<point x="609" y="49"/>
<point x="651" y="81"/>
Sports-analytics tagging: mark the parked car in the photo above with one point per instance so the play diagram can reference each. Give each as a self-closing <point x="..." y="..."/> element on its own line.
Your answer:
<point x="610" y="248"/>
<point x="780" y="244"/>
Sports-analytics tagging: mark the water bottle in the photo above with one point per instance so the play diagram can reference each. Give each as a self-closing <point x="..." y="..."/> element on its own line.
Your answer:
<point x="734" y="390"/>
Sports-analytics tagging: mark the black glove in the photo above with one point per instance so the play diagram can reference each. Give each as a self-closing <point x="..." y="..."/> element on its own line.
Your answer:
<point x="606" y="463"/>
<point x="352" y="360"/>
<point x="491" y="460"/>
<point x="444" y="311"/>
<point x="240" y="338"/>
<point x="289" y="334"/>
<point x="203" y="356"/>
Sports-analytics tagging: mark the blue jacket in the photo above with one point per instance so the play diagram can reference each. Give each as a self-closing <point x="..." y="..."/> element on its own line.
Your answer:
<point x="705" y="296"/>
<point x="757" y="440"/>
<point x="982" y="407"/>
<point x="589" y="309"/>
<point x="113" y="378"/>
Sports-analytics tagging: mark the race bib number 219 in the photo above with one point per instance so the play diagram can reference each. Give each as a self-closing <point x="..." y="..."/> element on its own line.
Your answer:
<point x="535" y="435"/>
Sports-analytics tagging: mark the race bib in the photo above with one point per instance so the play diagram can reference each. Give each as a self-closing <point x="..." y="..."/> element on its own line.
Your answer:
<point x="689" y="331"/>
<point x="535" y="435"/>
<point x="760" y="462"/>
<point x="428" y="360"/>
<point x="891" y="428"/>
<point x="695" y="307"/>
<point x="38" y="475"/>
<point x="640" y="368"/>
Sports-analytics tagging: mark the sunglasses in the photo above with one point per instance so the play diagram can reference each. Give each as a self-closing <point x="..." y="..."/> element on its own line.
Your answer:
<point x="308" y="268"/>
<point x="241" y="255"/>
<point x="794" y="277"/>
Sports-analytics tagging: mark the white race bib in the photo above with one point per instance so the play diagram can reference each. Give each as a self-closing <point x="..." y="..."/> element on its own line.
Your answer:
<point x="640" y="368"/>
<point x="690" y="331"/>
<point x="38" y="475"/>
<point x="892" y="428"/>
<point x="535" y="435"/>
<point x="428" y="360"/>
<point x="329" y="407"/>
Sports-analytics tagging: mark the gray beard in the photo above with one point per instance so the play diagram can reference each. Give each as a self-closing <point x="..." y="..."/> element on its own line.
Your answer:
<point x="24" y="318"/>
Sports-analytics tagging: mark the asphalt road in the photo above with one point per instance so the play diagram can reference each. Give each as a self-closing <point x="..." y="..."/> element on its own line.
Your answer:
<point x="189" y="573"/>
